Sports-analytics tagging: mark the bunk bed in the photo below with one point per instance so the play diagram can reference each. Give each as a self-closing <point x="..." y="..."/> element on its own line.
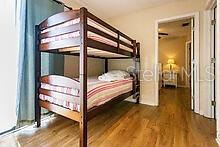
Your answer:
<point x="80" y="33"/>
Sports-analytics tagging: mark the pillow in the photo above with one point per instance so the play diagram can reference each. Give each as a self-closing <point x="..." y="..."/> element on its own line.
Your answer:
<point x="114" y="75"/>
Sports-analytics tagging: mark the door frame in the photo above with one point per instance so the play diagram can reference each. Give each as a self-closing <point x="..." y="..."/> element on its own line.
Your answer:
<point x="218" y="74"/>
<point x="208" y="45"/>
<point x="196" y="17"/>
<point x="213" y="48"/>
<point x="187" y="84"/>
<point x="210" y="5"/>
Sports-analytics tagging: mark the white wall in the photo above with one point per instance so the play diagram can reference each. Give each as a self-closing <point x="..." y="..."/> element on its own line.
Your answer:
<point x="8" y="64"/>
<point x="141" y="26"/>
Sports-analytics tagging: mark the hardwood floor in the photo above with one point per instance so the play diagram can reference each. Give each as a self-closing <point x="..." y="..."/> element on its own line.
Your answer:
<point x="172" y="124"/>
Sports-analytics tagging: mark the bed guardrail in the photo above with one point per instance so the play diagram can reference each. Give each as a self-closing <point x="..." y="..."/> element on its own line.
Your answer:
<point x="62" y="81"/>
<point x="63" y="30"/>
<point x="59" y="19"/>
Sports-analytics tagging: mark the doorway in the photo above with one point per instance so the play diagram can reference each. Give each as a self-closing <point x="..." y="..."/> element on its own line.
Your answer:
<point x="175" y="56"/>
<point x="193" y="21"/>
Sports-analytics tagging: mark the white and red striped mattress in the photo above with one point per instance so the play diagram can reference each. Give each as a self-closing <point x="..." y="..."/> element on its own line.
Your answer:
<point x="91" y="35"/>
<point x="99" y="92"/>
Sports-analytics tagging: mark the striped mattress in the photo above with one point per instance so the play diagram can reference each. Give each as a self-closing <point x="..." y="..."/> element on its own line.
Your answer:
<point x="91" y="35"/>
<point x="98" y="93"/>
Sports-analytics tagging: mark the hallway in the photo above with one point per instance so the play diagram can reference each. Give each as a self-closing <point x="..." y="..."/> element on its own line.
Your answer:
<point x="172" y="124"/>
<point x="187" y="127"/>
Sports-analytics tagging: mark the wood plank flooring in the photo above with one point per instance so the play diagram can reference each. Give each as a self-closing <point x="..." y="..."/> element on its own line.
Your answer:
<point x="172" y="124"/>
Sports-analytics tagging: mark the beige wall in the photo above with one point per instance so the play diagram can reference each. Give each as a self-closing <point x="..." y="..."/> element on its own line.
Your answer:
<point x="141" y="26"/>
<point x="122" y="64"/>
<point x="71" y="3"/>
<point x="71" y="68"/>
<point x="173" y="48"/>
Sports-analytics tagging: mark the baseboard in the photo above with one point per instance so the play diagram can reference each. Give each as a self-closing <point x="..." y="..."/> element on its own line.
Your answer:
<point x="8" y="131"/>
<point x="141" y="102"/>
<point x="131" y="100"/>
<point x="183" y="86"/>
<point x="147" y="103"/>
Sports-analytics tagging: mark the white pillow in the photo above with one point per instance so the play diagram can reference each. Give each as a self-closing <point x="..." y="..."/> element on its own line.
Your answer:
<point x="114" y="75"/>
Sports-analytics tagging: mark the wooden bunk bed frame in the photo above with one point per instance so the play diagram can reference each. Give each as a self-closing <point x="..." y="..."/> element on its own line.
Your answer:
<point x="84" y="42"/>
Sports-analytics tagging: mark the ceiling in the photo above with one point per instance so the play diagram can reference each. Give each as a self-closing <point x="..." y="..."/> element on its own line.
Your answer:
<point x="112" y="8"/>
<point x="175" y="29"/>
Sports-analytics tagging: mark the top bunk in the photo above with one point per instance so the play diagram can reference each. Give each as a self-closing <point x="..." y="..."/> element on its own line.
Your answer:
<point x="68" y="32"/>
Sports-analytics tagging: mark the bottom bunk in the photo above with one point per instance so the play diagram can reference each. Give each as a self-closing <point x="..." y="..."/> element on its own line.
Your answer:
<point x="61" y="94"/>
<point x="98" y="93"/>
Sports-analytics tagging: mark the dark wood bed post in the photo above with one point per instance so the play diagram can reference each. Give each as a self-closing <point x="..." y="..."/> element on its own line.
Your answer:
<point x="37" y="77"/>
<point x="137" y="67"/>
<point x="83" y="77"/>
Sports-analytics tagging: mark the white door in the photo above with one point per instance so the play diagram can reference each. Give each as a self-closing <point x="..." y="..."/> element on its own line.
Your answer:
<point x="213" y="64"/>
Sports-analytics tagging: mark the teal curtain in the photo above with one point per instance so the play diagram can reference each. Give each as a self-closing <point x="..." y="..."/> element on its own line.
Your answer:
<point x="32" y="13"/>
